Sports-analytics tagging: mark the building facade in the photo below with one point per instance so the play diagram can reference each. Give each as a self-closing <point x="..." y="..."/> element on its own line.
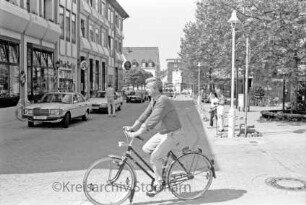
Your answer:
<point x="100" y="45"/>
<point x="146" y="58"/>
<point x="28" y="46"/>
<point x="59" y="45"/>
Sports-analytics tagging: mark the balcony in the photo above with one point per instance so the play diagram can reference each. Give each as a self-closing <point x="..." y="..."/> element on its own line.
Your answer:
<point x="13" y="17"/>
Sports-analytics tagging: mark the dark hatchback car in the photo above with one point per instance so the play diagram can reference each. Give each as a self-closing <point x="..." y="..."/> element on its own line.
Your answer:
<point x="135" y="97"/>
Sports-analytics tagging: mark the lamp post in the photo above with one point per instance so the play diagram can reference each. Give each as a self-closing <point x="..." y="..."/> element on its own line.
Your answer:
<point x="199" y="83"/>
<point x="231" y="116"/>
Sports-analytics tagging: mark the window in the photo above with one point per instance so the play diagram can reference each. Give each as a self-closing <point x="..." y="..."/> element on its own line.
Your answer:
<point x="91" y="33"/>
<point x="120" y="47"/>
<point x="109" y="42"/>
<point x="61" y="21"/>
<point x="97" y="75"/>
<point x="97" y="36"/>
<point x="83" y="28"/>
<point x="109" y="15"/>
<point x="103" y="8"/>
<point x="73" y="28"/>
<point x="112" y="17"/>
<point x="99" y="6"/>
<point x="67" y="25"/>
<point x="103" y="37"/>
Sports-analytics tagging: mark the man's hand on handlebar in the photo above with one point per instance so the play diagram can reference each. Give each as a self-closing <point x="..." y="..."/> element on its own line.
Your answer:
<point x="128" y="128"/>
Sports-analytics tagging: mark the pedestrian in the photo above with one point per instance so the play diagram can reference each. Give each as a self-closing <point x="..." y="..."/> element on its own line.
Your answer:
<point x="110" y="96"/>
<point x="213" y="107"/>
<point x="159" y="111"/>
<point x="220" y="109"/>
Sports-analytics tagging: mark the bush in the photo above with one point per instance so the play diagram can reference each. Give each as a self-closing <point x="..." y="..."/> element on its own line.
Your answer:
<point x="286" y="116"/>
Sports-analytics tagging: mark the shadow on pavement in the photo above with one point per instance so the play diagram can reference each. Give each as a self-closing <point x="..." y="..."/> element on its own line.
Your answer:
<point x="211" y="196"/>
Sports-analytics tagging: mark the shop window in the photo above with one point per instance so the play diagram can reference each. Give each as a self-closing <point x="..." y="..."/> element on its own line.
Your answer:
<point x="4" y="80"/>
<point x="3" y="53"/>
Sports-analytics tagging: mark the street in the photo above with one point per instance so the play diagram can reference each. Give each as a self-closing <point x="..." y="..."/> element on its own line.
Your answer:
<point x="50" y="148"/>
<point x="46" y="164"/>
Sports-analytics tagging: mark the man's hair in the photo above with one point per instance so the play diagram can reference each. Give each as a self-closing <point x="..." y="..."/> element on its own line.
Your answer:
<point x="157" y="83"/>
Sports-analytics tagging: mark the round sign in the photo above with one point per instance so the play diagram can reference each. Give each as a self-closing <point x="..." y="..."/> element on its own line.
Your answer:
<point x="127" y="65"/>
<point x="83" y="65"/>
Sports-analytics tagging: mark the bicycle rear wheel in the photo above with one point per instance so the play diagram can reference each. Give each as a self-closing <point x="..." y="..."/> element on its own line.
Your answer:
<point x="190" y="176"/>
<point x="108" y="182"/>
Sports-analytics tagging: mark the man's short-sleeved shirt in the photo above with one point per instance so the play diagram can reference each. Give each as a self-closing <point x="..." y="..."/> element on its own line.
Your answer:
<point x="110" y="92"/>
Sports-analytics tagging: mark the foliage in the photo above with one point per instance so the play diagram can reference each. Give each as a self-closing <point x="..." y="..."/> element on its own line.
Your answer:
<point x="275" y="29"/>
<point x="279" y="115"/>
<point x="257" y="92"/>
<point x="137" y="76"/>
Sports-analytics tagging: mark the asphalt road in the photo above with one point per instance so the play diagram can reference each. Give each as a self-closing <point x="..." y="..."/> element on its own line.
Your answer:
<point x="49" y="147"/>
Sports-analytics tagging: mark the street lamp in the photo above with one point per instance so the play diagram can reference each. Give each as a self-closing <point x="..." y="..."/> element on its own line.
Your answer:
<point x="199" y="83"/>
<point x="231" y="116"/>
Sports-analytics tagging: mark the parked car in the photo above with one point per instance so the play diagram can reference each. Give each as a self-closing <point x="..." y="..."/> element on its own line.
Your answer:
<point x="58" y="107"/>
<point x="99" y="101"/>
<point x="135" y="96"/>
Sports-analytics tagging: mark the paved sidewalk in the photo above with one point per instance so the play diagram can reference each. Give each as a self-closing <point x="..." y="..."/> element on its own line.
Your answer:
<point x="243" y="165"/>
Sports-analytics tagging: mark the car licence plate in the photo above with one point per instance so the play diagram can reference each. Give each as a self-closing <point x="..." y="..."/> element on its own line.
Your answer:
<point x="40" y="117"/>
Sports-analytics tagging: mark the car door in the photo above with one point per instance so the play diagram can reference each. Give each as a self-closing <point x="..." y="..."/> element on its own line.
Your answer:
<point x="75" y="111"/>
<point x="82" y="104"/>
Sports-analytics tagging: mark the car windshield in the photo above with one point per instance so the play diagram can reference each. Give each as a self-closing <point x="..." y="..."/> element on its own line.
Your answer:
<point x="100" y="94"/>
<point x="57" y="98"/>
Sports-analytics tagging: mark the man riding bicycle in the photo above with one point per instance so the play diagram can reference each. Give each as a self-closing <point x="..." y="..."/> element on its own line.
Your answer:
<point x="160" y="110"/>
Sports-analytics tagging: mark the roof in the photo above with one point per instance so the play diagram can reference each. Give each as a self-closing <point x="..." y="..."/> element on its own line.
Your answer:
<point x="141" y="53"/>
<point x="118" y="8"/>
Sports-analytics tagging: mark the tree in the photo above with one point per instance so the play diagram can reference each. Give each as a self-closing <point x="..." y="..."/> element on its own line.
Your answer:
<point x="137" y="77"/>
<point x="275" y="29"/>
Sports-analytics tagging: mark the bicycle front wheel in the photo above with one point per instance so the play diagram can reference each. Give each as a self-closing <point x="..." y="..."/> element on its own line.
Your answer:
<point x="190" y="176"/>
<point x="108" y="181"/>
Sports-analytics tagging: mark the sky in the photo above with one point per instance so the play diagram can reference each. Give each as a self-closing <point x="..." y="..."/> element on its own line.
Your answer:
<point x="157" y="23"/>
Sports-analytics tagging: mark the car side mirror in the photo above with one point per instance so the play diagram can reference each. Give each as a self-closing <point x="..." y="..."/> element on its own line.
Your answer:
<point x="75" y="101"/>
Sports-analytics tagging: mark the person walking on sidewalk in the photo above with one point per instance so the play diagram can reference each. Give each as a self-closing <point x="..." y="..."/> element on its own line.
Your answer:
<point x="159" y="111"/>
<point x="213" y="107"/>
<point x="110" y="96"/>
<point x="220" y="109"/>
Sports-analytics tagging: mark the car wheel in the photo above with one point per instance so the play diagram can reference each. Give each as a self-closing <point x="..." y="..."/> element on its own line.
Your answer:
<point x="66" y="120"/>
<point x="85" y="117"/>
<point x="30" y="124"/>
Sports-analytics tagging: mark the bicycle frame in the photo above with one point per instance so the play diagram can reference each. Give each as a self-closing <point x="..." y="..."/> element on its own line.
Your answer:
<point x="128" y="155"/>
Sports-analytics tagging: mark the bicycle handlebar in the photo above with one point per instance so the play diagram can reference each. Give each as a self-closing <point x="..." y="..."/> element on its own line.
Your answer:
<point x="130" y="142"/>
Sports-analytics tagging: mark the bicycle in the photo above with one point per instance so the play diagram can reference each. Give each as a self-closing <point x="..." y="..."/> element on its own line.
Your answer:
<point x="113" y="180"/>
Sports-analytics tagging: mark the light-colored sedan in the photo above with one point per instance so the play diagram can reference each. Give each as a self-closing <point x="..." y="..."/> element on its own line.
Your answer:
<point x="58" y="107"/>
<point x="99" y="101"/>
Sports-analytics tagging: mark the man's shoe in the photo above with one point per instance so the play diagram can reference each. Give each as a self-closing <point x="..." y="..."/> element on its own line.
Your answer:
<point x="155" y="190"/>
